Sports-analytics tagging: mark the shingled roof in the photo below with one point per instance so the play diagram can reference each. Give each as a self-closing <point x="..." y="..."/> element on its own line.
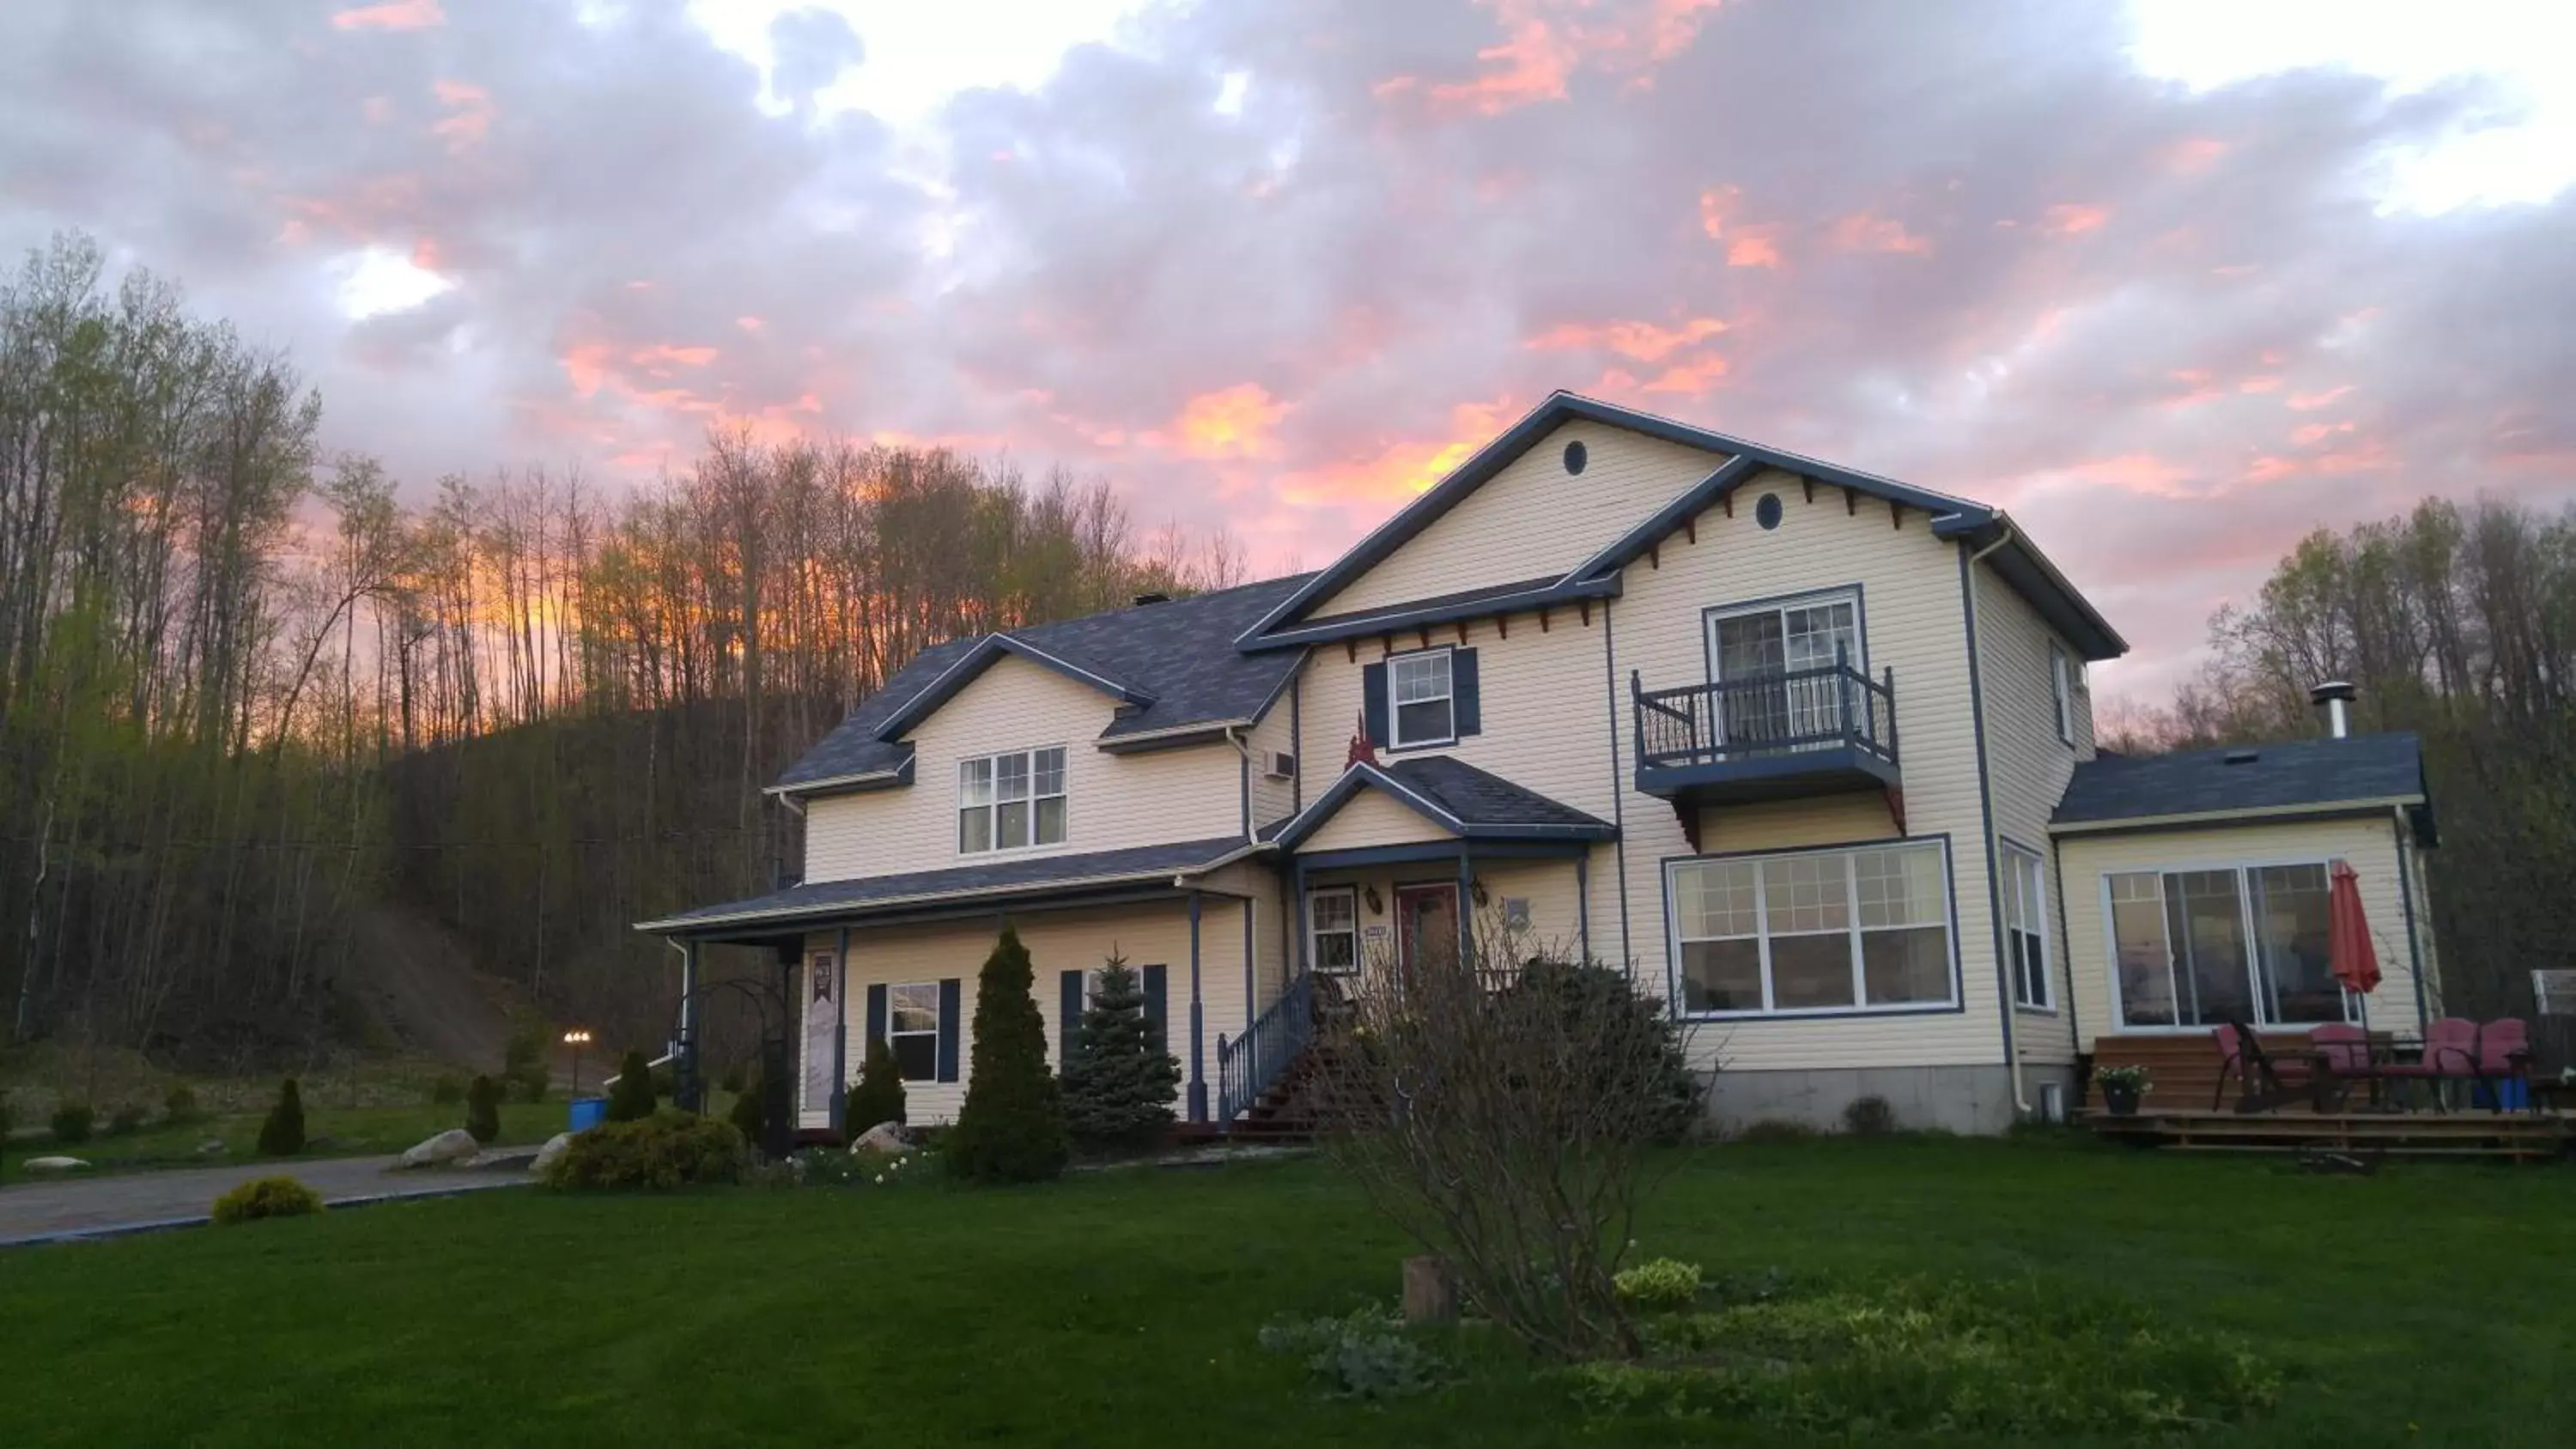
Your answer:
<point x="1470" y="803"/>
<point x="1010" y="879"/>
<point x="1173" y="666"/>
<point x="2289" y="776"/>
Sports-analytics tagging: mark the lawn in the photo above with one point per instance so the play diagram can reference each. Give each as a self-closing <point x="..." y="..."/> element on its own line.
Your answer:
<point x="2427" y="1305"/>
<point x="352" y="1132"/>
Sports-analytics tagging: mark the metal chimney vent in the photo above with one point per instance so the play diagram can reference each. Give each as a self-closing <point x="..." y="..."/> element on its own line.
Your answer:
<point x="2333" y="700"/>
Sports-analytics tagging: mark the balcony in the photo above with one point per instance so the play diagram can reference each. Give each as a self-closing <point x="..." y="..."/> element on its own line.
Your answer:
<point x="1770" y="736"/>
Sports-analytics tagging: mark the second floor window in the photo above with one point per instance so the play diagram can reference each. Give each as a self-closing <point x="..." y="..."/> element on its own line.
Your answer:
<point x="2061" y="690"/>
<point x="1010" y="802"/>
<point x="1424" y="705"/>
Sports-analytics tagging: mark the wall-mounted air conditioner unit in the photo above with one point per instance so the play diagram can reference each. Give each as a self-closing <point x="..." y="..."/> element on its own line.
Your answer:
<point x="1279" y="764"/>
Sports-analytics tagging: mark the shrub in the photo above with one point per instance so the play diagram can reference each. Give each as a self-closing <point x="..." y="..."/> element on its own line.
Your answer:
<point x="1774" y="1132"/>
<point x="1660" y="1286"/>
<point x="179" y="1107"/>
<point x="127" y="1121"/>
<point x="1011" y="1128"/>
<point x="749" y="1114"/>
<point x="1363" y="1355"/>
<point x="1868" y="1117"/>
<point x="632" y="1099"/>
<point x="879" y="1095"/>
<point x="72" y="1121"/>
<point x="267" y="1197"/>
<point x="1119" y="1081"/>
<point x="282" y="1135"/>
<point x="665" y="1150"/>
<point x="446" y="1091"/>
<point x="732" y="1080"/>
<point x="483" y="1109"/>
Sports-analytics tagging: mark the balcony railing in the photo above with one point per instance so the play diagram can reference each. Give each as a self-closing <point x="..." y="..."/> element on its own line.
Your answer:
<point x="1786" y="730"/>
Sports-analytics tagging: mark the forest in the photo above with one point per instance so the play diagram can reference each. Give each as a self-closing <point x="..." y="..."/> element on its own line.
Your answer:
<point x="265" y="714"/>
<point x="260" y="716"/>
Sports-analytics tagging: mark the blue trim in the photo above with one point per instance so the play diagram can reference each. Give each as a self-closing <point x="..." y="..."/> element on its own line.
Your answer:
<point x="952" y="1004"/>
<point x="1808" y="767"/>
<point x="1297" y="736"/>
<point x="1558" y="408"/>
<point x="1958" y="1003"/>
<point x="1198" y="1065"/>
<point x="2057" y="870"/>
<point x="2022" y="565"/>
<point x="2414" y="943"/>
<point x="983" y="656"/>
<point x="1251" y="993"/>
<point x="1364" y="775"/>
<point x="1068" y="1011"/>
<point x="1577" y="457"/>
<point x="1362" y="857"/>
<point x="1481" y="604"/>
<point x="1986" y="806"/>
<point x="1618" y="795"/>
<point x="1699" y="498"/>
<point x="898" y="778"/>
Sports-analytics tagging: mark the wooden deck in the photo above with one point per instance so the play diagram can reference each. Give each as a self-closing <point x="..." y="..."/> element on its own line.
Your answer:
<point x="2507" y="1136"/>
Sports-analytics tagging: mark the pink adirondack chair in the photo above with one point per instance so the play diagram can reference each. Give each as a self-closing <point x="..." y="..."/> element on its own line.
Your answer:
<point x="2450" y="1055"/>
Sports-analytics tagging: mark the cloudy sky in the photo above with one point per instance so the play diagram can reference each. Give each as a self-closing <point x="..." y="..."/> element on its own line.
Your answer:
<point x="2174" y="281"/>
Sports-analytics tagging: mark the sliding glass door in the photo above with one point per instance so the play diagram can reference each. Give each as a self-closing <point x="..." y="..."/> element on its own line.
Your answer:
<point x="2241" y="943"/>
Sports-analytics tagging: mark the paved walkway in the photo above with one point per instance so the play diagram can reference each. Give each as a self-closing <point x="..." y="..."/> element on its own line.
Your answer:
<point x="34" y="1210"/>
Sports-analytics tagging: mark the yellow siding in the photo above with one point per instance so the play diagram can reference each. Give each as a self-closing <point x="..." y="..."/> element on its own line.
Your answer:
<point x="1272" y="800"/>
<point x="1555" y="912"/>
<point x="1373" y="817"/>
<point x="2030" y="767"/>
<point x="1533" y="519"/>
<point x="1913" y="623"/>
<point x="1111" y="801"/>
<point x="1154" y="934"/>
<point x="2368" y="842"/>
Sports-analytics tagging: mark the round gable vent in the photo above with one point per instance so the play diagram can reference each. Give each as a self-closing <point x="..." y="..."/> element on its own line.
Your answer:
<point x="1575" y="458"/>
<point x="1767" y="512"/>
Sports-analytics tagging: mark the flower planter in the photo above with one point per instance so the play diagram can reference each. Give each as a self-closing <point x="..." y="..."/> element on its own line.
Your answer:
<point x="2120" y="1101"/>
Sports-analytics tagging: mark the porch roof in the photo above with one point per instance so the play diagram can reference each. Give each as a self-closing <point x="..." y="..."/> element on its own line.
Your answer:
<point x="997" y="882"/>
<point x="1467" y="802"/>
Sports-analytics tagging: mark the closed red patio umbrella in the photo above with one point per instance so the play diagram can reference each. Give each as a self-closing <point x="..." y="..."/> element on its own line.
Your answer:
<point x="2355" y="961"/>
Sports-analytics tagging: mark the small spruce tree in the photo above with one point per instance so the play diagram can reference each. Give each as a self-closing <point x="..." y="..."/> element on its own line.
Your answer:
<point x="631" y="1100"/>
<point x="749" y="1113"/>
<point x="282" y="1135"/>
<point x="483" y="1109"/>
<point x="879" y="1095"/>
<point x="1119" y="1080"/>
<point x="1011" y="1128"/>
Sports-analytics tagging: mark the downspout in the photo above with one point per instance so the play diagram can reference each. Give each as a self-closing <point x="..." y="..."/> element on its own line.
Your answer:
<point x="1986" y="803"/>
<point x="686" y="1048"/>
<point x="1234" y="737"/>
<point x="2414" y="942"/>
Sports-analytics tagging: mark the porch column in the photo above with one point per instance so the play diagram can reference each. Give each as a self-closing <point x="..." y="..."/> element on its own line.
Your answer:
<point x="685" y="1078"/>
<point x="1297" y="913"/>
<point x="1251" y="988"/>
<point x="1583" y="903"/>
<point x="841" y="1034"/>
<point x="1466" y="903"/>
<point x="1198" y="1070"/>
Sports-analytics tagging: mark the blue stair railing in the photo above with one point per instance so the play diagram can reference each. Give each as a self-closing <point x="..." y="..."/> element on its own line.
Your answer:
<point x="1250" y="1064"/>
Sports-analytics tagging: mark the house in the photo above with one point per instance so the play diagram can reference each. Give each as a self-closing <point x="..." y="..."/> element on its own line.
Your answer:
<point x="1807" y="751"/>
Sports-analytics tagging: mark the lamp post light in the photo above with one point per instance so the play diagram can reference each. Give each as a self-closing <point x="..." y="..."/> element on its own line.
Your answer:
<point x="577" y="1038"/>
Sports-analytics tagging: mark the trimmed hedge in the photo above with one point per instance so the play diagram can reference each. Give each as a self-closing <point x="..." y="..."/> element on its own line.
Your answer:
<point x="267" y="1197"/>
<point x="665" y="1150"/>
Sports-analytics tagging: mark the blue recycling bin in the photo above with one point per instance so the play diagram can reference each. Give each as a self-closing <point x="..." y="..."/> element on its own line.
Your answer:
<point x="588" y="1112"/>
<point x="2509" y="1095"/>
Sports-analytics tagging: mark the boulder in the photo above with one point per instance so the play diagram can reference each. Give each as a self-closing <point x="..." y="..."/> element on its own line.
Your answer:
<point x="552" y="1153"/>
<point x="212" y="1147"/>
<point x="453" y="1145"/>
<point x="53" y="1164"/>
<point x="883" y="1137"/>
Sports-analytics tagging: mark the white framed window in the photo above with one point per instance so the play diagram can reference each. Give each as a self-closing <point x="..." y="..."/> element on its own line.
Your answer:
<point x="1815" y="932"/>
<point x="2196" y="945"/>
<point x="1422" y="706"/>
<point x="912" y="1029"/>
<point x="1777" y="657"/>
<point x="2026" y="930"/>
<point x="1333" y="929"/>
<point x="2061" y="691"/>
<point x="1010" y="801"/>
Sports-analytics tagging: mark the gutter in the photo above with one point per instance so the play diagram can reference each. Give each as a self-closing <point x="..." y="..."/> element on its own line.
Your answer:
<point x="1986" y="800"/>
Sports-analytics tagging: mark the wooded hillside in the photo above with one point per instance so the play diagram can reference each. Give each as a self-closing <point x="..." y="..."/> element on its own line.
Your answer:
<point x="247" y="693"/>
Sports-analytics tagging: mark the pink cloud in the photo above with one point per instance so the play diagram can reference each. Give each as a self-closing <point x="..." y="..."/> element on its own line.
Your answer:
<point x="469" y="118"/>
<point x="392" y="15"/>
<point x="2072" y="219"/>
<point x="1234" y="422"/>
<point x="2311" y="401"/>
<point x="1864" y="231"/>
<point x="1643" y="341"/>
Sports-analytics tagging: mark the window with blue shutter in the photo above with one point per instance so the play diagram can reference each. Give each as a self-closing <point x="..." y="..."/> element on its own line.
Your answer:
<point x="1423" y="698"/>
<point x="951" y="999"/>
<point x="876" y="1019"/>
<point x="1068" y="1014"/>
<point x="1373" y="703"/>
<point x="1157" y="983"/>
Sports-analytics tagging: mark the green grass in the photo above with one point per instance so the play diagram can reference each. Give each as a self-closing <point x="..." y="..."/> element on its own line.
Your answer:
<point x="354" y="1132"/>
<point x="2428" y="1305"/>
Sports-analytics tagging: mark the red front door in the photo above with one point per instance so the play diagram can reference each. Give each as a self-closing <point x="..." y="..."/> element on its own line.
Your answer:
<point x="1426" y="925"/>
